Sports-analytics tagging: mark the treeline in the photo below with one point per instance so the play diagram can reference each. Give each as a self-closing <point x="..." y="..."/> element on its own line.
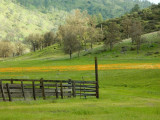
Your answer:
<point x="108" y="8"/>
<point x="80" y="30"/>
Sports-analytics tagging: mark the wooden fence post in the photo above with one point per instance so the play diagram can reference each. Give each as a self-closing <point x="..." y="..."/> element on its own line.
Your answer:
<point x="9" y="94"/>
<point x="11" y="81"/>
<point x="42" y="87"/>
<point x="96" y="76"/>
<point x="34" y="92"/>
<point x="73" y="89"/>
<point x="56" y="90"/>
<point x="2" y="91"/>
<point x="22" y="86"/>
<point x="69" y="83"/>
<point x="80" y="91"/>
<point x="61" y="90"/>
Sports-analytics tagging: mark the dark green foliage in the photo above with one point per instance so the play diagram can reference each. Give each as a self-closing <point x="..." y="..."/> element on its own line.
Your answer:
<point x="108" y="8"/>
<point x="112" y="35"/>
<point x="136" y="8"/>
<point x="149" y="17"/>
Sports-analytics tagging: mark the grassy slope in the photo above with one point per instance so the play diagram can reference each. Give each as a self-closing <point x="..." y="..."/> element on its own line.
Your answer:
<point x="124" y="94"/>
<point x="18" y="21"/>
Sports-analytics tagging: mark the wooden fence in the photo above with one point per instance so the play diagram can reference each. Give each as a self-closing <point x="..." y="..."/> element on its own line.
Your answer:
<point x="13" y="89"/>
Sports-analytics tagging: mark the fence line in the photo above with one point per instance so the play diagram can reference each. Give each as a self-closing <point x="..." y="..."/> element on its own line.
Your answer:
<point x="11" y="89"/>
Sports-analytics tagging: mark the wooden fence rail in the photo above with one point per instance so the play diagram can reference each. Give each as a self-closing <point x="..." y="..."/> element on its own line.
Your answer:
<point x="15" y="89"/>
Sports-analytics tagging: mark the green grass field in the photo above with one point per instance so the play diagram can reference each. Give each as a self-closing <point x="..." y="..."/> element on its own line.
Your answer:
<point x="132" y="94"/>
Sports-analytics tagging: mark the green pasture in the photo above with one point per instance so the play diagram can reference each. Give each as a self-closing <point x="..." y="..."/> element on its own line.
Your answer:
<point x="124" y="94"/>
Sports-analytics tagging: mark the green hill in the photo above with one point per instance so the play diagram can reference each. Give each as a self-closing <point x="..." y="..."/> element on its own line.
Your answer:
<point x="19" y="22"/>
<point x="108" y="8"/>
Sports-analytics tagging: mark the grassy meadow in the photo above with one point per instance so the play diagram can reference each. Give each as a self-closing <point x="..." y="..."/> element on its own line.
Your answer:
<point x="126" y="94"/>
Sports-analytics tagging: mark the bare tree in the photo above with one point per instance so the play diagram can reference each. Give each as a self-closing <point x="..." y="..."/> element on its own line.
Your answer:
<point x="5" y="49"/>
<point x="19" y="48"/>
<point x="136" y="32"/>
<point x="126" y="25"/>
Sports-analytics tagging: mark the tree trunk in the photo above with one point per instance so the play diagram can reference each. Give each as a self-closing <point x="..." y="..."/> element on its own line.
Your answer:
<point x="70" y="53"/>
<point x="91" y="45"/>
<point x="85" y="44"/>
<point x="34" y="48"/>
<point x="111" y="45"/>
<point x="137" y="50"/>
<point x="132" y="41"/>
<point x="78" y="53"/>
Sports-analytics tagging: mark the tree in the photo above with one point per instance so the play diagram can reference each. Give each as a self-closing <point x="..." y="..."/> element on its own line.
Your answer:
<point x="73" y="31"/>
<point x="49" y="38"/>
<point x="136" y="31"/>
<point x="19" y="48"/>
<point x="80" y="29"/>
<point x="5" y="49"/>
<point x="33" y="41"/>
<point x="94" y="34"/>
<point x="99" y="18"/>
<point x="126" y="25"/>
<point x="70" y="41"/>
<point x="59" y="36"/>
<point x="112" y="35"/>
<point x="136" y="8"/>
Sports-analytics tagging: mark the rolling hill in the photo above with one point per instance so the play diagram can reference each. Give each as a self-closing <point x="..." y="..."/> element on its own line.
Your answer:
<point x="19" y="22"/>
<point x="108" y="8"/>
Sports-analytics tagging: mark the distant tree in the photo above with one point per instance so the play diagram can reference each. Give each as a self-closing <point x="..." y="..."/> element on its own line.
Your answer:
<point x="99" y="18"/>
<point x="49" y="39"/>
<point x="33" y="41"/>
<point x="5" y="49"/>
<point x="94" y="35"/>
<point x="70" y="41"/>
<point x="59" y="35"/>
<point x="73" y="32"/>
<point x="112" y="35"/>
<point x="136" y="8"/>
<point x="136" y="32"/>
<point x="19" y="48"/>
<point x="126" y="25"/>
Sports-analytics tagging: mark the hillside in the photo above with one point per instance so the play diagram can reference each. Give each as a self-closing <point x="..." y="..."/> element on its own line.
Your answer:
<point x="149" y="17"/>
<point x="19" y="22"/>
<point x="108" y="8"/>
